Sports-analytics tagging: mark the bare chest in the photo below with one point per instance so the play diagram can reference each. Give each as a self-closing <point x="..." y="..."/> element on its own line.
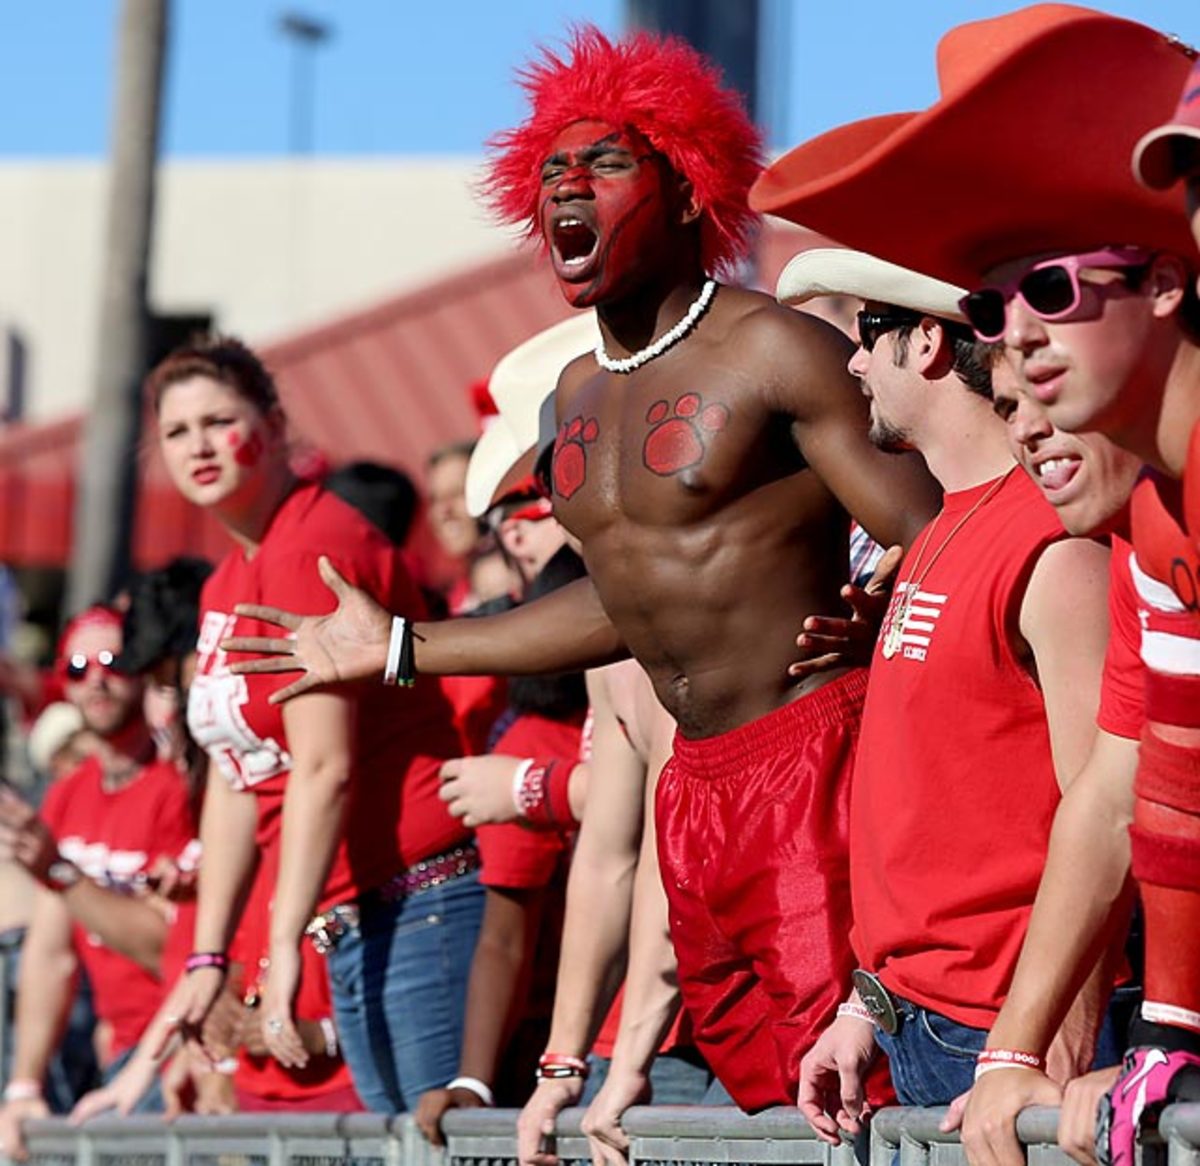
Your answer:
<point x="661" y="453"/>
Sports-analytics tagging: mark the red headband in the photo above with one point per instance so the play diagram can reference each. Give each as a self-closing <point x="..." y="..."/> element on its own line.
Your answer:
<point x="665" y="90"/>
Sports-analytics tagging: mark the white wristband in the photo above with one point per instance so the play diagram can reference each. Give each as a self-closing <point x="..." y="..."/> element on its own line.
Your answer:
<point x="518" y="777"/>
<point x="858" y="1011"/>
<point x="330" y="1035"/>
<point x="391" y="668"/>
<point x="474" y="1085"/>
<point x="23" y="1089"/>
<point x="992" y="1066"/>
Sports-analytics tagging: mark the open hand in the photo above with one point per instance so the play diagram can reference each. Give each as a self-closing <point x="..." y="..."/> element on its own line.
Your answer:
<point x="829" y="641"/>
<point x="350" y="643"/>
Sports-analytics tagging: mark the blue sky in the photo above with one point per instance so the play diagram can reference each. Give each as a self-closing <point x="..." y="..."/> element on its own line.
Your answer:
<point x="434" y="76"/>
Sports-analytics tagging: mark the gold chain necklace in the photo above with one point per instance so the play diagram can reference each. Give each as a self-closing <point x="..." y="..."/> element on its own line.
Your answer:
<point x="906" y="592"/>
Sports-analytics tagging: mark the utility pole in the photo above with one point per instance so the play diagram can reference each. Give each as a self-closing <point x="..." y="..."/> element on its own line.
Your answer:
<point x="306" y="35"/>
<point x="107" y="478"/>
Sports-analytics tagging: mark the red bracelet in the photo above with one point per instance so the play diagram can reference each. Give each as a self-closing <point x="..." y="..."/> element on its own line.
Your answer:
<point x="555" y="1066"/>
<point x="1014" y="1057"/>
<point x="206" y="959"/>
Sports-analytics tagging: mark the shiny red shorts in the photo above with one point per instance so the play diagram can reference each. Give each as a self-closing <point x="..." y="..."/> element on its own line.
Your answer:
<point x="752" y="838"/>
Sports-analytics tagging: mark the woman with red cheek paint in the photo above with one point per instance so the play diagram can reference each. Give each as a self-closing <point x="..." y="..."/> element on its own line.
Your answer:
<point x="332" y="797"/>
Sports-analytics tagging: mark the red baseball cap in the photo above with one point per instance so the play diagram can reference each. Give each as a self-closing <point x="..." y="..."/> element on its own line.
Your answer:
<point x="1170" y="151"/>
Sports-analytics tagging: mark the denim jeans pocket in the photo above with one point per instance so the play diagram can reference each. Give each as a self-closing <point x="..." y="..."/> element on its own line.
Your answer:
<point x="952" y="1038"/>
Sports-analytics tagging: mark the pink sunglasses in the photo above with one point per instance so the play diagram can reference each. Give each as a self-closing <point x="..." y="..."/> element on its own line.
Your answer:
<point x="1050" y="289"/>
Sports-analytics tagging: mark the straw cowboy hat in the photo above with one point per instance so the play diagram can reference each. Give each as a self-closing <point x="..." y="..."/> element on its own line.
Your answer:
<point x="519" y="383"/>
<point x="1027" y="150"/>
<point x="836" y="271"/>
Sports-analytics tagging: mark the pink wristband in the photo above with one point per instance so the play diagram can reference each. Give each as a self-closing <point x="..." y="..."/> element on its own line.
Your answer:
<point x="206" y="959"/>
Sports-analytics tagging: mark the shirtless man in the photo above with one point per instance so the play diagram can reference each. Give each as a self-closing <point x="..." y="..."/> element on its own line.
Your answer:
<point x="706" y="458"/>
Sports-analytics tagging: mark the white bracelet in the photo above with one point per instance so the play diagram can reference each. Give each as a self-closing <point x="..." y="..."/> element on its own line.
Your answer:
<point x="391" y="668"/>
<point x="474" y="1085"/>
<point x="330" y="1035"/>
<point x="23" y="1089"/>
<point x="858" y="1011"/>
<point x="992" y="1066"/>
<point x="518" y="777"/>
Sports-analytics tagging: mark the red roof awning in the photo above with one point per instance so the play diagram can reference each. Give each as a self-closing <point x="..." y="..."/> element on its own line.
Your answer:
<point x="388" y="384"/>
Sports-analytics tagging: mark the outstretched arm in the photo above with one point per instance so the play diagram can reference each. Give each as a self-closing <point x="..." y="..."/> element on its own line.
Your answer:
<point x="566" y="631"/>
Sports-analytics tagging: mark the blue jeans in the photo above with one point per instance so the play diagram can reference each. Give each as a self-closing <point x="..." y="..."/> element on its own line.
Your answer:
<point x="674" y="1080"/>
<point x="399" y="984"/>
<point x="932" y="1058"/>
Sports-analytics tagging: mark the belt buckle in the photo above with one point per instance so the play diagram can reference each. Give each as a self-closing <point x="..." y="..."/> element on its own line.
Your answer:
<point x="325" y="931"/>
<point x="877" y="1000"/>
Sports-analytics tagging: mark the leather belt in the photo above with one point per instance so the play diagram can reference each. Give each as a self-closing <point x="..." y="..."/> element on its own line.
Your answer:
<point x="326" y="930"/>
<point x="877" y="1000"/>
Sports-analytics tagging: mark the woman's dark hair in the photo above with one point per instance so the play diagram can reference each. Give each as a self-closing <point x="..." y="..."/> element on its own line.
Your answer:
<point x="163" y="616"/>
<point x="559" y="695"/>
<point x="386" y="497"/>
<point x="220" y="358"/>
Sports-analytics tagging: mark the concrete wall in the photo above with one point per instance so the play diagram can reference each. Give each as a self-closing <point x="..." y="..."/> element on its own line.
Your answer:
<point x="266" y="247"/>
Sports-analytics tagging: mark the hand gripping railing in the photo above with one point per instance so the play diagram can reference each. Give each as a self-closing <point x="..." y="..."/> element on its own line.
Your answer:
<point x="480" y="1137"/>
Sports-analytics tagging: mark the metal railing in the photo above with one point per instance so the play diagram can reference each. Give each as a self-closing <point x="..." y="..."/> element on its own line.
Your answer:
<point x="659" y="1136"/>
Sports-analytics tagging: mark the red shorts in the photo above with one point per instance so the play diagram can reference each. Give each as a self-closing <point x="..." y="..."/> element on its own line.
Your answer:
<point x="752" y="838"/>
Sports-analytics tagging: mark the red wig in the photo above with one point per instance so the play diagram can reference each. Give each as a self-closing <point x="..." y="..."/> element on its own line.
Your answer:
<point x="671" y="95"/>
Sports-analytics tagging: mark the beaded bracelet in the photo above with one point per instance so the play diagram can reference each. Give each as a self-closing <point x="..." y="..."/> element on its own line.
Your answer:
<point x="206" y="959"/>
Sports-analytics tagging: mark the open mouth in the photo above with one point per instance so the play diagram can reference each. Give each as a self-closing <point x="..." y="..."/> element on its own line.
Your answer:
<point x="1055" y="473"/>
<point x="574" y="242"/>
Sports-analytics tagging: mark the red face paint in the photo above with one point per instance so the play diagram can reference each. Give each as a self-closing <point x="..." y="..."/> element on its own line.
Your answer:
<point x="248" y="454"/>
<point x="678" y="437"/>
<point x="603" y="212"/>
<point x="569" y="466"/>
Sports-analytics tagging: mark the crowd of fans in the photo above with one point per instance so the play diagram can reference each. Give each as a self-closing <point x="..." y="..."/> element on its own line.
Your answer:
<point x="692" y="795"/>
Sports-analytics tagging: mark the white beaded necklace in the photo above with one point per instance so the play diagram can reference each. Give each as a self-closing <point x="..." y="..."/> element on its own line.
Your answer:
<point x="667" y="340"/>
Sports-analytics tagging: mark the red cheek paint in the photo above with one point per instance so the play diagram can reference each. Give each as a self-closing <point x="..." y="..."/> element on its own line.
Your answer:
<point x="247" y="455"/>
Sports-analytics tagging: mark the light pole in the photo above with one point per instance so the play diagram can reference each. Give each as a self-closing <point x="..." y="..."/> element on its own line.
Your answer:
<point x="306" y="34"/>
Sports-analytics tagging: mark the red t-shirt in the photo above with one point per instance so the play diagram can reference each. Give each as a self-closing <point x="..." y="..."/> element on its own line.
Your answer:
<point x="395" y="818"/>
<point x="1123" y="686"/>
<point x="513" y="855"/>
<point x="114" y="836"/>
<point x="265" y="1077"/>
<point x="954" y="786"/>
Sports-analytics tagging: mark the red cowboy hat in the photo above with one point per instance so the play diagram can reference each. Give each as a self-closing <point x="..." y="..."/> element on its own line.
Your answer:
<point x="1026" y="151"/>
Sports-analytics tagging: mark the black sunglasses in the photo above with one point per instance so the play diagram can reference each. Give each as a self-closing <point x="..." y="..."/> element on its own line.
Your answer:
<point x="872" y="325"/>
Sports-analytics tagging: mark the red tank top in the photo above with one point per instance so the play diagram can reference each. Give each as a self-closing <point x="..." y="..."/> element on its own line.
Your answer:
<point x="954" y="786"/>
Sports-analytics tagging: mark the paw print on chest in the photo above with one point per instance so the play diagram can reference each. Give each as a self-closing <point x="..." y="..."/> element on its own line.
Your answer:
<point x="678" y="433"/>
<point x="570" y="454"/>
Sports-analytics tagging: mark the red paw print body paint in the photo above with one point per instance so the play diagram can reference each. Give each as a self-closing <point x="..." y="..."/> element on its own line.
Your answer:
<point x="246" y="453"/>
<point x="570" y="454"/>
<point x="676" y="440"/>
